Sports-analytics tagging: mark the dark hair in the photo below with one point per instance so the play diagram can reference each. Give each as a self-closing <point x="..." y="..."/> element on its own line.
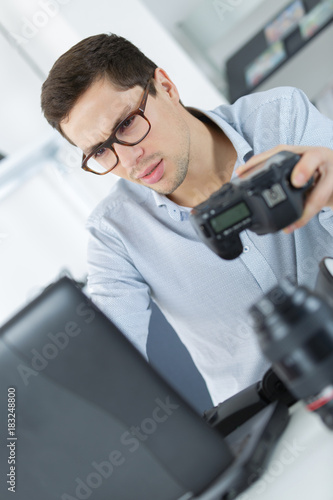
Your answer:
<point x="105" y="55"/>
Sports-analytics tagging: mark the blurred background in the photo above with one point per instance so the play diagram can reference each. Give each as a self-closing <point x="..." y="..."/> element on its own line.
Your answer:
<point x="214" y="50"/>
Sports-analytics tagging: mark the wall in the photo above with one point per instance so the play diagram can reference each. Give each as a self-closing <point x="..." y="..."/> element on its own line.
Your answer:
<point x="213" y="30"/>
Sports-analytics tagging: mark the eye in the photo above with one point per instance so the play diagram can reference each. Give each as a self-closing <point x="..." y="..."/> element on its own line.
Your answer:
<point x="126" y="124"/>
<point x="99" y="153"/>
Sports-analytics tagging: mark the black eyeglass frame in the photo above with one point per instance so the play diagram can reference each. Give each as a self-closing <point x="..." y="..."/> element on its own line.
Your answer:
<point x="113" y="139"/>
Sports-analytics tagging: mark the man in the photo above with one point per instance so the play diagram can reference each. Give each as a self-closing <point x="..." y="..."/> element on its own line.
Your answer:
<point x="169" y="159"/>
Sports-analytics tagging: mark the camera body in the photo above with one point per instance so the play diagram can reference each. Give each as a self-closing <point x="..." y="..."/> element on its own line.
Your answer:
<point x="265" y="201"/>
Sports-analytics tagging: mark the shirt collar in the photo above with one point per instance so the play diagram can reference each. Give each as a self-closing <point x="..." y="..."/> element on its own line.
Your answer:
<point x="243" y="149"/>
<point x="174" y="210"/>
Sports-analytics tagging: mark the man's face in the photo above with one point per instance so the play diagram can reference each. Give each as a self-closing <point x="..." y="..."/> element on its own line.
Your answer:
<point x="160" y="161"/>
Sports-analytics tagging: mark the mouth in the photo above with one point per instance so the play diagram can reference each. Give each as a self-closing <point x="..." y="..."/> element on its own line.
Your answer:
<point x="148" y="170"/>
<point x="153" y="173"/>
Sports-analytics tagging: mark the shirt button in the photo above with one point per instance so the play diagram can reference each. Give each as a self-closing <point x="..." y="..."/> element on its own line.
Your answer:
<point x="246" y="249"/>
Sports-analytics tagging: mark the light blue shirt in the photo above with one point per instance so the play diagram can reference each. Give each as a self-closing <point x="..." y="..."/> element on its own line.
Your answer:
<point x="143" y="247"/>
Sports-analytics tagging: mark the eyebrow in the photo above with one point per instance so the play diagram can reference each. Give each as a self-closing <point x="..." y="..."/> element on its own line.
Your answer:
<point x="124" y="114"/>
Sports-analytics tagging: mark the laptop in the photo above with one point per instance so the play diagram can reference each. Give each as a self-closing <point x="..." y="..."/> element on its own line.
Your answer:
<point x="85" y="416"/>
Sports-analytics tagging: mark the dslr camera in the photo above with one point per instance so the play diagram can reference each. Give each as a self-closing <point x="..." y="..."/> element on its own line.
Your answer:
<point x="264" y="201"/>
<point x="294" y="326"/>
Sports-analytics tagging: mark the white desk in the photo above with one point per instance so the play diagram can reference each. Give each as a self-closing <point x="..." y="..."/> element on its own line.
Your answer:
<point x="301" y="466"/>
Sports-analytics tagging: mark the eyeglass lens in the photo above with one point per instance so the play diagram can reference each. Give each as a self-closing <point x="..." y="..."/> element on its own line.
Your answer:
<point x="130" y="131"/>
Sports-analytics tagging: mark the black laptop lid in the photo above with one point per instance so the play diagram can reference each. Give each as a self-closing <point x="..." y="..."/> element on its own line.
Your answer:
<point x="93" y="418"/>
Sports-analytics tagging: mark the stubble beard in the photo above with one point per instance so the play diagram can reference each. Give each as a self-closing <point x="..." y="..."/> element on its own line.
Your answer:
<point x="181" y="163"/>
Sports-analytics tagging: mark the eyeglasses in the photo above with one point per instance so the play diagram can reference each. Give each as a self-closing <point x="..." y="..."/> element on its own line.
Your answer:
<point x="132" y="130"/>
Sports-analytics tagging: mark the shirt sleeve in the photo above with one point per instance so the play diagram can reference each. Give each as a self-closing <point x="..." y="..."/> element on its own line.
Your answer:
<point x="116" y="286"/>
<point x="306" y="125"/>
<point x="283" y="115"/>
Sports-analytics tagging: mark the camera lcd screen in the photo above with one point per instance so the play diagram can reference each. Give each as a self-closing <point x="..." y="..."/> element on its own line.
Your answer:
<point x="230" y="217"/>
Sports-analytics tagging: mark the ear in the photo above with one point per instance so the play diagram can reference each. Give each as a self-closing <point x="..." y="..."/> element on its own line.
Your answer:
<point x="164" y="84"/>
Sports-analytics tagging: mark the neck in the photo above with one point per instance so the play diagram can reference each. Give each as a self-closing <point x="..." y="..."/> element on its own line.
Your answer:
<point x="211" y="163"/>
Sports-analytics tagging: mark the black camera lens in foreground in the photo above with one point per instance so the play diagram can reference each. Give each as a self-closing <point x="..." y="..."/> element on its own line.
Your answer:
<point x="295" y="332"/>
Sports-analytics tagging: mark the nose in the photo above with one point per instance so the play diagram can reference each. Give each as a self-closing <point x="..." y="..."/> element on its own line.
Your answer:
<point x="128" y="155"/>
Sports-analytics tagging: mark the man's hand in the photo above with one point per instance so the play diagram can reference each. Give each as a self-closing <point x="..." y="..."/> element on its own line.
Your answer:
<point x="315" y="161"/>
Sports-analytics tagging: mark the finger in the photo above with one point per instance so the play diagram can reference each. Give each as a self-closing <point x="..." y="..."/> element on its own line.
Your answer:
<point x="315" y="200"/>
<point x="306" y="167"/>
<point x="261" y="157"/>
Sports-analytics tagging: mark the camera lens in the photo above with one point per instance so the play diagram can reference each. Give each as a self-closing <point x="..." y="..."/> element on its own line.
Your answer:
<point x="295" y="332"/>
